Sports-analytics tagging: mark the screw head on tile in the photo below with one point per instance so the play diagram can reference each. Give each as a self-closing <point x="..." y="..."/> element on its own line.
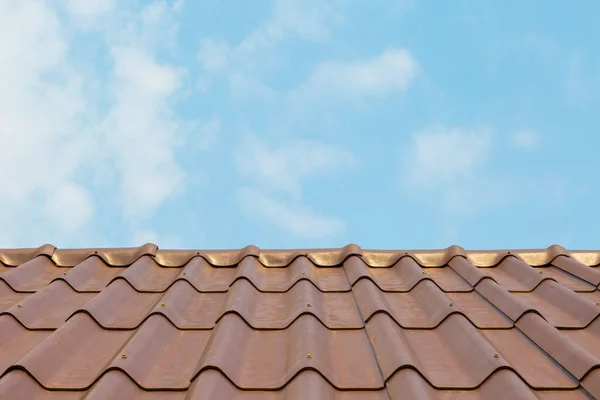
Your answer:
<point x="18" y="306"/>
<point x="184" y="274"/>
<point x="508" y="252"/>
<point x="197" y="253"/>
<point x="64" y="273"/>
<point x="451" y="304"/>
<point x="424" y="272"/>
<point x="598" y="303"/>
<point x="541" y="272"/>
<point x="304" y="273"/>
<point x="309" y="355"/>
<point x="124" y="356"/>
<point x="406" y="253"/>
<point x="308" y="305"/>
<point x="95" y="251"/>
<point x="162" y="304"/>
<point x="496" y="355"/>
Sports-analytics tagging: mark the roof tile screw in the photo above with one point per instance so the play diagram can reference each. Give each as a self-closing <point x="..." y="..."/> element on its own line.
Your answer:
<point x="496" y="355"/>
<point x="197" y="253"/>
<point x="424" y="272"/>
<point x="124" y="356"/>
<point x="162" y="304"/>
<point x="541" y="272"/>
<point x="308" y="305"/>
<point x="508" y="252"/>
<point x="598" y="303"/>
<point x="304" y="273"/>
<point x="309" y="355"/>
<point x="18" y="306"/>
<point x="184" y="274"/>
<point x="451" y="304"/>
<point x="95" y="251"/>
<point x="64" y="273"/>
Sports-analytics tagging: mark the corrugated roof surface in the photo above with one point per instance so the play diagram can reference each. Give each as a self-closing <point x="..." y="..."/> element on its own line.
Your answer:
<point x="301" y="324"/>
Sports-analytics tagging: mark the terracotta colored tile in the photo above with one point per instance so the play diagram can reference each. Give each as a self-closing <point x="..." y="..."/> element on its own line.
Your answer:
<point x="588" y="339"/>
<point x="4" y="269"/>
<point x="280" y="310"/>
<point x="116" y="257"/>
<point x="591" y="383"/>
<point x="401" y="277"/>
<point x="33" y="275"/>
<point x="14" y="257"/>
<point x="74" y="355"/>
<point x="18" y="385"/>
<point x="535" y="257"/>
<point x="9" y="297"/>
<point x="426" y="306"/>
<point x="145" y="275"/>
<point x="186" y="308"/>
<point x="454" y="355"/>
<point x="121" y="306"/>
<point x="16" y="341"/>
<point x="221" y="258"/>
<point x="270" y="359"/>
<point x="320" y="257"/>
<point x="590" y="258"/>
<point x="528" y="360"/>
<point x="282" y="279"/>
<point x="594" y="296"/>
<point x="425" y="258"/>
<point x="572" y="349"/>
<point x="91" y="275"/>
<point x="116" y="385"/>
<point x="503" y="384"/>
<point x="567" y="280"/>
<point x="468" y="271"/>
<point x="206" y="278"/>
<point x="308" y="385"/>
<point x="506" y="302"/>
<point x="578" y="269"/>
<point x="447" y="279"/>
<point x="515" y="276"/>
<point x="160" y="356"/>
<point x="50" y="307"/>
<point x="560" y="306"/>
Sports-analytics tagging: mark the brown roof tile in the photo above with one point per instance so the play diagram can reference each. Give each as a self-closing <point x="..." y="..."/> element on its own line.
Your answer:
<point x="342" y="324"/>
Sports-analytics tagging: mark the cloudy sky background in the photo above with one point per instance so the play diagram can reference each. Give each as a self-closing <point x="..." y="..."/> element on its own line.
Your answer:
<point x="299" y="123"/>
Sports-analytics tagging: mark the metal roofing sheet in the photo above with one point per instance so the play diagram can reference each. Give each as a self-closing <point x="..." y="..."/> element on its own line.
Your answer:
<point x="341" y="323"/>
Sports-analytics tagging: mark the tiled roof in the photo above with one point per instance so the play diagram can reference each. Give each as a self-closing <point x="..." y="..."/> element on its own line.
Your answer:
<point x="300" y="324"/>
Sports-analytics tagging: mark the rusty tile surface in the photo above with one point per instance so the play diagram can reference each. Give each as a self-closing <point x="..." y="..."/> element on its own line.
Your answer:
<point x="345" y="323"/>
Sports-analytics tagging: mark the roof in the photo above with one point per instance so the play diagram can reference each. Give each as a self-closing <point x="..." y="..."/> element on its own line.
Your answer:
<point x="341" y="323"/>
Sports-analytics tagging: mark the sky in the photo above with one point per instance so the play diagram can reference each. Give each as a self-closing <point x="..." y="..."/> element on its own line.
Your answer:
<point x="211" y="124"/>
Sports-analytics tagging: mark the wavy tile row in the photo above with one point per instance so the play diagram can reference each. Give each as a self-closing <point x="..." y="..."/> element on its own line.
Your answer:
<point x="283" y="258"/>
<point x="455" y="355"/>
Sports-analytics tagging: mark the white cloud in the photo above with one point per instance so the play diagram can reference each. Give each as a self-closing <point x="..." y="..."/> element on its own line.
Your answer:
<point x="304" y="19"/>
<point x="42" y="108"/>
<point x="443" y="156"/>
<point x="214" y="54"/>
<point x="284" y="167"/>
<point x="527" y="140"/>
<point x="69" y="207"/>
<point x="297" y="221"/>
<point x="60" y="123"/>
<point x="393" y="70"/>
<point x="89" y="8"/>
<point x="142" y="132"/>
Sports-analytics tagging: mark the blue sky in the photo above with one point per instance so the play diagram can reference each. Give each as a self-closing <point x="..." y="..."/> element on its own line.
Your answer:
<point x="299" y="123"/>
